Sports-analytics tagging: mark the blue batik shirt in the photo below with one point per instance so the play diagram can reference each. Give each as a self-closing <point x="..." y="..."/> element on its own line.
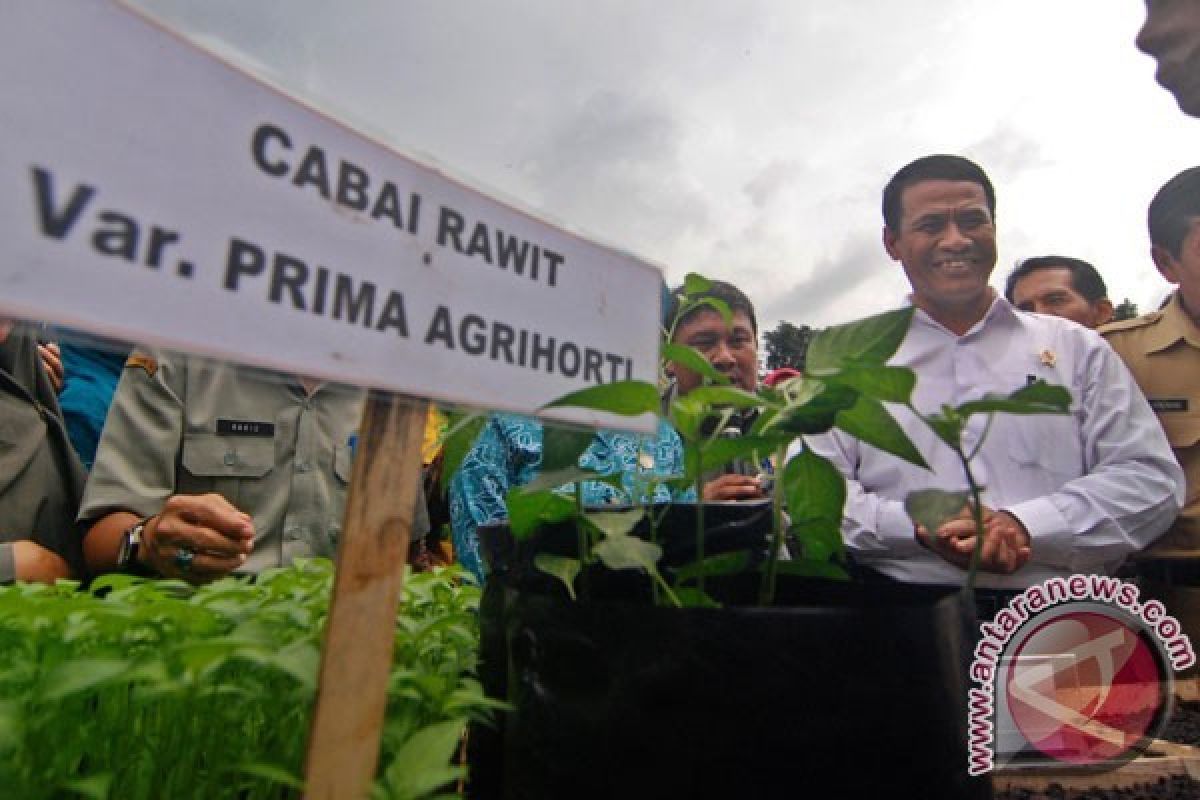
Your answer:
<point x="508" y="454"/>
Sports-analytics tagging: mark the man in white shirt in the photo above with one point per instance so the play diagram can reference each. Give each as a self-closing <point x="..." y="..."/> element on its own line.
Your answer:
<point x="1063" y="493"/>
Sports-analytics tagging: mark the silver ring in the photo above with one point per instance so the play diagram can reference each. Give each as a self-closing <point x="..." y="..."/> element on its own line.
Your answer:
<point x="184" y="558"/>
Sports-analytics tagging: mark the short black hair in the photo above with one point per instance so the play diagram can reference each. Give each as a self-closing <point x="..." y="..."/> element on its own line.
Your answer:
<point x="1085" y="279"/>
<point x="1172" y="210"/>
<point x="932" y="168"/>
<point x="719" y="290"/>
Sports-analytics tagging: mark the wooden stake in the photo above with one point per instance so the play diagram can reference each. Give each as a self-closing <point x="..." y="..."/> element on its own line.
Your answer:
<point x="356" y="658"/>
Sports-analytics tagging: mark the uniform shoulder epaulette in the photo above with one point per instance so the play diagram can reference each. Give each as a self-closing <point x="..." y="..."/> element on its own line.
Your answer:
<point x="1130" y="324"/>
<point x="143" y="360"/>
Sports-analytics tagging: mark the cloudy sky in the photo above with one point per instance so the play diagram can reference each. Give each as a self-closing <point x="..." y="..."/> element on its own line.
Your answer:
<point x="750" y="140"/>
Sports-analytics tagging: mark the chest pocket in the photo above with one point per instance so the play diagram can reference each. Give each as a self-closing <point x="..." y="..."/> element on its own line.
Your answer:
<point x="215" y="463"/>
<point x="1046" y="443"/>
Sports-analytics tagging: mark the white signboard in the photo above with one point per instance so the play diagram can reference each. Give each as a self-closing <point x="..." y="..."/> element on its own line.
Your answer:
<point x="151" y="192"/>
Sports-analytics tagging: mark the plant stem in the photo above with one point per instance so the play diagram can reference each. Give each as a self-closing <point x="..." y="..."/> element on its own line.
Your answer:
<point x="766" y="595"/>
<point x="658" y="581"/>
<point x="977" y="515"/>
<point x="581" y="538"/>
<point x="653" y="520"/>
<point x="699" y="485"/>
<point x="978" y="445"/>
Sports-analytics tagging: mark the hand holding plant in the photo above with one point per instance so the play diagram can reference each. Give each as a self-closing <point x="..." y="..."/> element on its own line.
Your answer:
<point x="995" y="540"/>
<point x="1005" y="546"/>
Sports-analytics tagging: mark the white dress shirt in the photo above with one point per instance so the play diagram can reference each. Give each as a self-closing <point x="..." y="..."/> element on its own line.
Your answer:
<point x="1091" y="486"/>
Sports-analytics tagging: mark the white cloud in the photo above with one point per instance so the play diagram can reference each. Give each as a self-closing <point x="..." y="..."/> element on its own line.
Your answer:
<point x="751" y="140"/>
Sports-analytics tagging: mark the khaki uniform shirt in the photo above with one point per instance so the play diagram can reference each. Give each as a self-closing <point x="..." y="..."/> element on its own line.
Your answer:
<point x="41" y="478"/>
<point x="185" y="425"/>
<point x="1162" y="350"/>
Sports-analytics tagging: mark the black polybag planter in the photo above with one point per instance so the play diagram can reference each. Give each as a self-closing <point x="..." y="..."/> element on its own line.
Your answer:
<point x="859" y="690"/>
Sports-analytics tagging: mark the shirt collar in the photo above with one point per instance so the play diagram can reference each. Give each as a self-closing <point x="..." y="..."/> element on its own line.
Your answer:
<point x="1000" y="312"/>
<point x="1174" y="325"/>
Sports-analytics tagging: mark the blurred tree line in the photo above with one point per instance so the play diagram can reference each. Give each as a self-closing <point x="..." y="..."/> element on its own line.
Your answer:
<point x="787" y="345"/>
<point x="1126" y="310"/>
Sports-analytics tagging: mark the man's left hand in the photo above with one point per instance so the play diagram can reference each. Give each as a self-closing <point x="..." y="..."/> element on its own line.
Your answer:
<point x="1006" y="543"/>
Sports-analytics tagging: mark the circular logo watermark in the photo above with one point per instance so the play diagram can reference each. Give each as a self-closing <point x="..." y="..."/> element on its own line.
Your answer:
<point x="1077" y="670"/>
<point x="1085" y="685"/>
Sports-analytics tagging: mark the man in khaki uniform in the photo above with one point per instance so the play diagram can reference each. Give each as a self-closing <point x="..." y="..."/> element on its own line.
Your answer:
<point x="207" y="468"/>
<point x="41" y="478"/>
<point x="1162" y="350"/>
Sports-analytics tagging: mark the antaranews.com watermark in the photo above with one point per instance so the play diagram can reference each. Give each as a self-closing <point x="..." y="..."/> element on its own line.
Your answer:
<point x="1073" y="669"/>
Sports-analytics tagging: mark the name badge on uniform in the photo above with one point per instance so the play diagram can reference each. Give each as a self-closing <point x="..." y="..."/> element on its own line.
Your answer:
<point x="1160" y="404"/>
<point x="242" y="427"/>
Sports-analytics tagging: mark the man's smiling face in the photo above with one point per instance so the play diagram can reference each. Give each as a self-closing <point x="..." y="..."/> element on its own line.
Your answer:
<point x="946" y="242"/>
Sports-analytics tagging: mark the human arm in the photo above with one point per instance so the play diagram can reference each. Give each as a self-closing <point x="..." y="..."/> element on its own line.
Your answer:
<point x="478" y="488"/>
<point x="1129" y="488"/>
<point x="25" y="560"/>
<point x="220" y="536"/>
<point x="135" y="477"/>
<point x="734" y="487"/>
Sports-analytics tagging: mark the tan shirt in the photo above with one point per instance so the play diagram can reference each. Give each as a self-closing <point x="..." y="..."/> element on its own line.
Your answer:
<point x="1162" y="350"/>
<point x="41" y="478"/>
<point x="185" y="425"/>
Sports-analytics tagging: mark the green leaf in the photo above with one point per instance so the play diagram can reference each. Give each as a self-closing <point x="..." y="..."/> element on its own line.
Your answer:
<point x="96" y="787"/>
<point x="627" y="398"/>
<point x="932" y="507"/>
<point x="694" y="360"/>
<point x="869" y="421"/>
<point x="615" y="523"/>
<point x="819" y="413"/>
<point x="889" y="384"/>
<point x="813" y="488"/>
<point x="947" y="426"/>
<point x="271" y="772"/>
<point x="720" y="452"/>
<point x="562" y="447"/>
<point x="694" y="283"/>
<point x="722" y="564"/>
<point x="1043" y="393"/>
<point x="422" y="764"/>
<point x="561" y="567"/>
<point x="867" y="341"/>
<point x="715" y="303"/>
<point x="628" y="552"/>
<point x="563" y="477"/>
<point x="83" y="675"/>
<point x="527" y="511"/>
<point x="690" y="597"/>
<point x="808" y="568"/>
<point x="819" y="539"/>
<point x="727" y="396"/>
<point x="1037" y="398"/>
<point x="300" y="659"/>
<point x="461" y="434"/>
